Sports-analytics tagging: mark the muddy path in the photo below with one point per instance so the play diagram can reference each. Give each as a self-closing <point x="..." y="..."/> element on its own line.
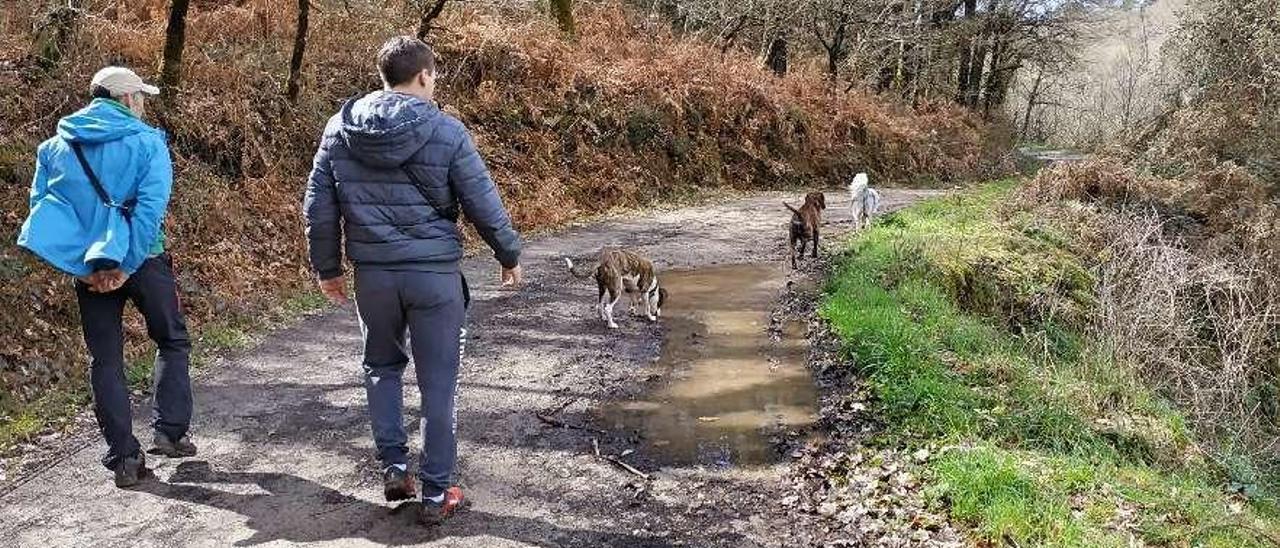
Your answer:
<point x="286" y="455"/>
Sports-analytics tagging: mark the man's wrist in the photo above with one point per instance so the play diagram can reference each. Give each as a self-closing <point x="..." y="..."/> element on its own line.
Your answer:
<point x="509" y="262"/>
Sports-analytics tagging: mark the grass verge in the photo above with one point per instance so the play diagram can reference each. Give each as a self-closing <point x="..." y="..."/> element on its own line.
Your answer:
<point x="968" y="327"/>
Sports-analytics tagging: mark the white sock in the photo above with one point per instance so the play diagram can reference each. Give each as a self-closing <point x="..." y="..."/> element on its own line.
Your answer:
<point x="438" y="499"/>
<point x="401" y="467"/>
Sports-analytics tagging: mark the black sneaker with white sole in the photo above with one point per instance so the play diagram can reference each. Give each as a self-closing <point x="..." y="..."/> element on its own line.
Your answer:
<point x="397" y="484"/>
<point x="436" y="510"/>
<point x="130" y="471"/>
<point x="162" y="445"/>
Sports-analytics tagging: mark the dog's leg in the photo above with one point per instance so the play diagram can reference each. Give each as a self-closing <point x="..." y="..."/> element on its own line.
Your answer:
<point x="600" y="301"/>
<point x="650" y="303"/>
<point x="608" y="310"/>
<point x="815" y="243"/>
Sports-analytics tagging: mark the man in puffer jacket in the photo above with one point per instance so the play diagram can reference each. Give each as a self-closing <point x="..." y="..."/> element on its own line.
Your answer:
<point x="98" y="203"/>
<point x="391" y="174"/>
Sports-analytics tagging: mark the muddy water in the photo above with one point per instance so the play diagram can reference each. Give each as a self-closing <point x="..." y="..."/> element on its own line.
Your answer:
<point x="728" y="384"/>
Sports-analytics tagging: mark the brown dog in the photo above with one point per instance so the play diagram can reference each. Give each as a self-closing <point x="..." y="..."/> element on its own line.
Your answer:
<point x="804" y="224"/>
<point x="618" y="271"/>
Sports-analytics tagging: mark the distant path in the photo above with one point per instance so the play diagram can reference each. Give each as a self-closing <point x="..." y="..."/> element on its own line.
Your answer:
<point x="1050" y="156"/>
<point x="286" y="454"/>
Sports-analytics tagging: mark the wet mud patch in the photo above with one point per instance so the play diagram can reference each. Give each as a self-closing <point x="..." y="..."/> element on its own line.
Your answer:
<point x="729" y="380"/>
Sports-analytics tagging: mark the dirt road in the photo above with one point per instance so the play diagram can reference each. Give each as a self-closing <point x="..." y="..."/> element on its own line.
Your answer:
<point x="286" y="455"/>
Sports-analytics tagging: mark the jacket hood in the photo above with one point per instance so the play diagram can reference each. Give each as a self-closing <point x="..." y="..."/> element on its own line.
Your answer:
<point x="384" y="129"/>
<point x="101" y="121"/>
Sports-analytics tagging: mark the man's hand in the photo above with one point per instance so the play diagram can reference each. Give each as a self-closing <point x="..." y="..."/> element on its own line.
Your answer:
<point x="110" y="280"/>
<point x="512" y="277"/>
<point x="90" y="280"/>
<point x="104" y="281"/>
<point x="335" y="289"/>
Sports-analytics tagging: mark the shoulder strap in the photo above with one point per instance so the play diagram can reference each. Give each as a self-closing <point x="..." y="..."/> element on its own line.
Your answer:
<point x="93" y="177"/>
<point x="450" y="213"/>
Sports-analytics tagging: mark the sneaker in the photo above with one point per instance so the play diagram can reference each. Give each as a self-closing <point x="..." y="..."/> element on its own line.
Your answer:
<point x="435" y="513"/>
<point x="130" y="471"/>
<point x="397" y="484"/>
<point x="161" y="445"/>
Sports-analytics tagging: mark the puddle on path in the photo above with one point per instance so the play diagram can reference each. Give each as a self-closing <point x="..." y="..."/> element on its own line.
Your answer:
<point x="727" y="386"/>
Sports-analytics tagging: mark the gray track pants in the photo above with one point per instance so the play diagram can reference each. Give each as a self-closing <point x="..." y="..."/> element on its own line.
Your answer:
<point x="430" y="309"/>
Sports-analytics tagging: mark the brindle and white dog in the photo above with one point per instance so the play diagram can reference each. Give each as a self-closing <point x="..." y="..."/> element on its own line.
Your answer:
<point x="620" y="270"/>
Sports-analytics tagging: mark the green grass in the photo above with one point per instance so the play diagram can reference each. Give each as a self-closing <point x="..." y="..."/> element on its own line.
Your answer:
<point x="967" y="326"/>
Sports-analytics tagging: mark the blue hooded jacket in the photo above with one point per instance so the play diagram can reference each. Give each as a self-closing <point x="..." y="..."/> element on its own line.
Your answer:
<point x="362" y="188"/>
<point x="69" y="226"/>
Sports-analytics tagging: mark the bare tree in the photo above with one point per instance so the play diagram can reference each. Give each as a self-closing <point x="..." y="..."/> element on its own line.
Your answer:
<point x="562" y="10"/>
<point x="174" y="40"/>
<point x="428" y="19"/>
<point x="830" y="21"/>
<point x="969" y="50"/>
<point x="776" y="59"/>
<point x="299" y="48"/>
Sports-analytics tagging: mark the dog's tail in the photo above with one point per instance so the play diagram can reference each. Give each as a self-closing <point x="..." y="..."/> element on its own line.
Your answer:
<point x="793" y="210"/>
<point x="574" y="270"/>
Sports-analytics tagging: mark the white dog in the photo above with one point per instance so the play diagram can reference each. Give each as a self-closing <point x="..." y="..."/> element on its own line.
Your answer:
<point x="866" y="201"/>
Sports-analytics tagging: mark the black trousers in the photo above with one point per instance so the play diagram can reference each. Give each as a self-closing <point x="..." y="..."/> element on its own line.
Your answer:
<point x="154" y="291"/>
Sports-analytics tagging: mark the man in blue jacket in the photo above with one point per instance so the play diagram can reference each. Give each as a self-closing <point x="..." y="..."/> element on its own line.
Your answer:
<point x="391" y="174"/>
<point x="98" y="203"/>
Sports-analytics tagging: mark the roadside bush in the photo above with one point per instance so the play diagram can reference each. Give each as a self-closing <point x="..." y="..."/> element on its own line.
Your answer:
<point x="1188" y="294"/>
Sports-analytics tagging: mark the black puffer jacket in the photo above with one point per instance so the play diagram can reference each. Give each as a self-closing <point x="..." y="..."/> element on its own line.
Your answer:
<point x="360" y="186"/>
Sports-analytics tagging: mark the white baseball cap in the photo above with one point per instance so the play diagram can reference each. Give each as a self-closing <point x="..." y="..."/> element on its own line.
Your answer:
<point x="122" y="81"/>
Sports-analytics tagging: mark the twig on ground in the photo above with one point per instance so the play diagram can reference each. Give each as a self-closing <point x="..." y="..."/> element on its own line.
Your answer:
<point x="618" y="462"/>
<point x="557" y="409"/>
<point x="561" y="424"/>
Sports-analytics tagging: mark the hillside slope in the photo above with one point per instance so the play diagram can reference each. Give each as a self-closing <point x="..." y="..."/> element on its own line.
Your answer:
<point x="626" y="115"/>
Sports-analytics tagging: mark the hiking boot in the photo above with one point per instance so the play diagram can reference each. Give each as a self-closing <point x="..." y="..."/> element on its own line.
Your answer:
<point x="435" y="513"/>
<point x="130" y="471"/>
<point x="161" y="445"/>
<point x="397" y="484"/>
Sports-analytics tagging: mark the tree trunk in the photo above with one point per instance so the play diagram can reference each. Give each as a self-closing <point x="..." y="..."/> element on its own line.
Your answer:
<point x="727" y="38"/>
<point x="174" y="40"/>
<point x="777" y="58"/>
<point x="966" y="54"/>
<point x="1032" y="97"/>
<point x="977" y="67"/>
<point x="835" y="53"/>
<point x="428" y="17"/>
<point x="917" y="54"/>
<point x="563" y="12"/>
<point x="900" y="72"/>
<point x="299" y="49"/>
<point x="997" y="79"/>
